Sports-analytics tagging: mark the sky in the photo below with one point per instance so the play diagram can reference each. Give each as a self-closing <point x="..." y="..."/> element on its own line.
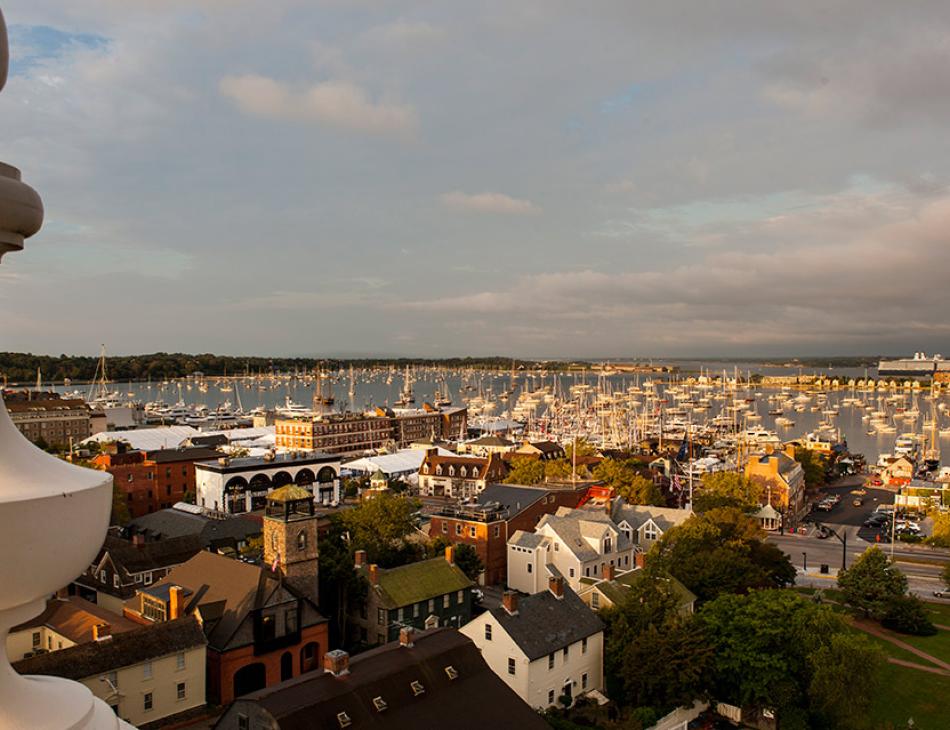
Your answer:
<point x="538" y="179"/>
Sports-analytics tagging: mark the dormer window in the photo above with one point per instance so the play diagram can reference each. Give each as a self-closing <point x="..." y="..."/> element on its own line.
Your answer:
<point x="607" y="545"/>
<point x="417" y="688"/>
<point x="380" y="704"/>
<point x="343" y="719"/>
<point x="438" y="470"/>
<point x="452" y="672"/>
<point x="463" y="472"/>
<point x="451" y="471"/>
<point x="425" y="468"/>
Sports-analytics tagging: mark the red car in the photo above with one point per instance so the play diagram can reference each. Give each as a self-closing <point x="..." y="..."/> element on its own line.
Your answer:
<point x="877" y="482"/>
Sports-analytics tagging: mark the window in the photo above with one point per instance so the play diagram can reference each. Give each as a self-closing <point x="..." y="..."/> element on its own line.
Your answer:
<point x="556" y="548"/>
<point x="115" y="580"/>
<point x="417" y="688"/>
<point x="551" y="660"/>
<point x="431" y="605"/>
<point x="607" y="545"/>
<point x="458" y="529"/>
<point x="380" y="704"/>
<point x="487" y="632"/>
<point x="343" y="719"/>
<point x="147" y="670"/>
<point x="584" y="680"/>
<point x="36" y="639"/>
<point x="595" y="600"/>
<point x="131" y="479"/>
<point x="583" y="646"/>
<point x="497" y="531"/>
<point x="301" y="540"/>
<point x="471" y="531"/>
<point x="180" y="690"/>
<point x="566" y="651"/>
<point x="445" y="528"/>
<point x="511" y="665"/>
<point x="445" y="601"/>
<point x="453" y="673"/>
<point x="400" y="614"/>
<point x="529" y="567"/>
<point x="381" y="616"/>
<point x="650" y="532"/>
<point x="147" y="701"/>
<point x="459" y="597"/>
<point x="587" y="572"/>
<point x="180" y="660"/>
<point x="570" y="572"/>
<point x="290" y="620"/>
<point x="550" y="696"/>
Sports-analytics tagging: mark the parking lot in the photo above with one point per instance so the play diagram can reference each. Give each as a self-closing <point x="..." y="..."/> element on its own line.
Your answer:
<point x="846" y="513"/>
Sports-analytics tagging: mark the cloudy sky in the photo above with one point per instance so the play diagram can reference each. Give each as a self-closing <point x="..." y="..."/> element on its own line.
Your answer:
<point x="533" y="178"/>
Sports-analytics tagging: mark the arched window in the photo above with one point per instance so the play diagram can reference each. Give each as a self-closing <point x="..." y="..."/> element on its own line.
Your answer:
<point x="301" y="540"/>
<point x="463" y="472"/>
<point x="451" y="471"/>
<point x="438" y="470"/>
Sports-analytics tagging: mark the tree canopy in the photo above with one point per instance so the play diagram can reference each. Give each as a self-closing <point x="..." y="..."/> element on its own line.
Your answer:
<point x="525" y="470"/>
<point x="872" y="582"/>
<point x="773" y="649"/>
<point x="727" y="489"/>
<point x="721" y="551"/>
<point x="625" y="477"/>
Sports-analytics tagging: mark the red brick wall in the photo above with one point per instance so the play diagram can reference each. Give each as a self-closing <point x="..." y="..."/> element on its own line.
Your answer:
<point x="168" y="484"/>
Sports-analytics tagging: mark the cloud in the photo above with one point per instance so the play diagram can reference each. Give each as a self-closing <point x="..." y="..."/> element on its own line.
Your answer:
<point x="489" y="203"/>
<point x="404" y="34"/>
<point x="338" y="104"/>
<point x="854" y="270"/>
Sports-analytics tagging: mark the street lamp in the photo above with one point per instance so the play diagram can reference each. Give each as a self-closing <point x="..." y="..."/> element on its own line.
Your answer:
<point x="804" y="562"/>
<point x="842" y="538"/>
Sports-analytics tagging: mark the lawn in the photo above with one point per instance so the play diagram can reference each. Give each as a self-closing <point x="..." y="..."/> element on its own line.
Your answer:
<point x="909" y="693"/>
<point x="937" y="645"/>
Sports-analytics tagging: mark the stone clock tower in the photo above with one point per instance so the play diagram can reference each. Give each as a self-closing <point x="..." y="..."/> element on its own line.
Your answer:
<point x="290" y="537"/>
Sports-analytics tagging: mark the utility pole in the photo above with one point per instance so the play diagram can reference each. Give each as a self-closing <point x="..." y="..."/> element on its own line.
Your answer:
<point x="843" y="539"/>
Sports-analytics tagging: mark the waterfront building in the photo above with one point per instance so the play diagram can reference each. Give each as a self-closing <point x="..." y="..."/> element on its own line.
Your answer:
<point x="783" y="480"/>
<point x="47" y="419"/>
<point x="242" y="484"/>
<point x="458" y="476"/>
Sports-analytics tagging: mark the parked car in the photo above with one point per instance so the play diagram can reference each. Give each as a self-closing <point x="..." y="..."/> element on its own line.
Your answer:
<point x="942" y="593"/>
<point x="857" y="502"/>
<point x="877" y="520"/>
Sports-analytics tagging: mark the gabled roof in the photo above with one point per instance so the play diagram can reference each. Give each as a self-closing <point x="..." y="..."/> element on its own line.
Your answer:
<point x="417" y="582"/>
<point x="122" y="650"/>
<point x="616" y="590"/>
<point x="174" y="522"/>
<point x="240" y="587"/>
<point x="636" y="515"/>
<point x="151" y="555"/>
<point x="573" y="526"/>
<point x="529" y="540"/>
<point x="75" y="617"/>
<point x="491" y="440"/>
<point x="512" y="497"/>
<point x="544" y="623"/>
<point x="470" y="696"/>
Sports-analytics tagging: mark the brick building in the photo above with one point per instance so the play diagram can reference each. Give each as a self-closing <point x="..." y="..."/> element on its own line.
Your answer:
<point x="152" y="480"/>
<point x="500" y="511"/>
<point x="357" y="433"/>
<point x="47" y="418"/>
<point x="459" y="477"/>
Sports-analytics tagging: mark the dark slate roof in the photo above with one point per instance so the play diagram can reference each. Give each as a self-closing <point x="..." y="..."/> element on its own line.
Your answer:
<point x="476" y="699"/>
<point x="122" y="650"/>
<point x="151" y="555"/>
<point x="514" y="498"/>
<point x="544" y="623"/>
<point x="172" y="523"/>
<point x="186" y="453"/>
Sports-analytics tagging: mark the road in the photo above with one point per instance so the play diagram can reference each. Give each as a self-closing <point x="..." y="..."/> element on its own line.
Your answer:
<point x="808" y="553"/>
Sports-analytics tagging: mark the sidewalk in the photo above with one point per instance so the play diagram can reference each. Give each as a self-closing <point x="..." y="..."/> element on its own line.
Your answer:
<point x="872" y="628"/>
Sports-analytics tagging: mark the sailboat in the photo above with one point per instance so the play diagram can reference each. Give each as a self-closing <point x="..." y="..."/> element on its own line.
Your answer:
<point x="406" y="397"/>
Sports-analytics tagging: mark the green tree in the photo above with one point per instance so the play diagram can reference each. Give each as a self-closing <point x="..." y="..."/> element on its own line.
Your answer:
<point x="466" y="558"/>
<point x="721" y="551"/>
<point x="380" y="527"/>
<point x="340" y="585"/>
<point x="727" y="489"/>
<point x="120" y="508"/>
<point x="813" y="464"/>
<point x="774" y="649"/>
<point x="871" y="583"/>
<point x="642" y="490"/>
<point x="908" y="615"/>
<point x="525" y="470"/>
<point x="654" y="655"/>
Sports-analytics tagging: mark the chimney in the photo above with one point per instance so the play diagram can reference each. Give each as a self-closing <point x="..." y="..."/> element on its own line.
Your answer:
<point x="450" y="554"/>
<point x="607" y="504"/>
<point x="138" y="539"/>
<point x="510" y="602"/>
<point x="359" y="558"/>
<point x="609" y="572"/>
<point x="406" y="636"/>
<point x="638" y="559"/>
<point x="102" y="632"/>
<point x="556" y="586"/>
<point x="374" y="574"/>
<point x="176" y="601"/>
<point x="336" y="662"/>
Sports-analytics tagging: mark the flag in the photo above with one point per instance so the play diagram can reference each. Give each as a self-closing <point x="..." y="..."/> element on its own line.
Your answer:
<point x="273" y="566"/>
<point x="676" y="483"/>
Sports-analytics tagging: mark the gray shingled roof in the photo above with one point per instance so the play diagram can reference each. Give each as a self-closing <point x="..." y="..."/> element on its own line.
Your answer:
<point x="515" y="498"/>
<point x="573" y="526"/>
<point x="664" y="517"/>
<point x="526" y="539"/>
<point x="545" y="624"/>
